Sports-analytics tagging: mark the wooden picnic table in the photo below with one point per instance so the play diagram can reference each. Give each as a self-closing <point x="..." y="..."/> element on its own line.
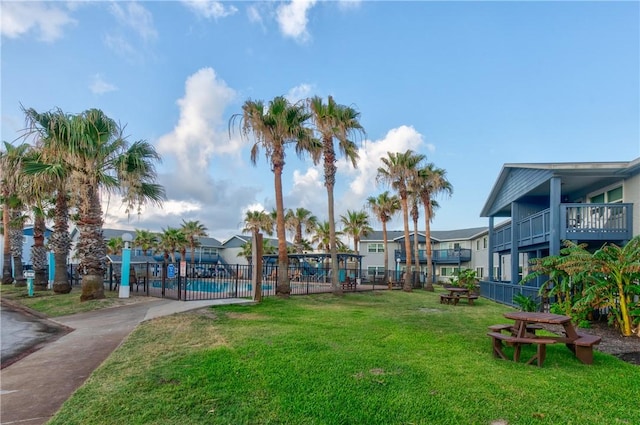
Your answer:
<point x="523" y="332"/>
<point x="456" y="294"/>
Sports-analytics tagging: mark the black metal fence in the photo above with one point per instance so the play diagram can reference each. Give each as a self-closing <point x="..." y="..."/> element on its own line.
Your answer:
<point x="207" y="282"/>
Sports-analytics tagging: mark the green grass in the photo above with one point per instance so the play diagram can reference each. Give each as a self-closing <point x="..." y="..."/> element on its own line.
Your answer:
<point x="56" y="305"/>
<point x="369" y="358"/>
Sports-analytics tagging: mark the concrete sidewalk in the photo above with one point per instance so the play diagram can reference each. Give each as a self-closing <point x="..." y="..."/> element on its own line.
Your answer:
<point x="34" y="387"/>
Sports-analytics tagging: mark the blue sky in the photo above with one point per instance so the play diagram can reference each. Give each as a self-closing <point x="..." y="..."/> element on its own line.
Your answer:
<point x="472" y="85"/>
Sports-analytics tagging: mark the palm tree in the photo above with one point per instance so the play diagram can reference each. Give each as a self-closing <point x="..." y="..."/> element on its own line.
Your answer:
<point x="10" y="164"/>
<point x="257" y="221"/>
<point x="193" y="230"/>
<point x="172" y="240"/>
<point x="86" y="153"/>
<point x="53" y="132"/>
<point x="274" y="127"/>
<point x="295" y="221"/>
<point x="101" y="158"/>
<point x="384" y="207"/>
<point x="356" y="224"/>
<point x="115" y="245"/>
<point x="398" y="170"/>
<point x="429" y="182"/>
<point x="334" y="121"/>
<point x="321" y="236"/>
<point x="146" y="240"/>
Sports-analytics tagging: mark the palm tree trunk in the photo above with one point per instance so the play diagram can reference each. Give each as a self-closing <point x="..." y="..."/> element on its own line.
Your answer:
<point x="60" y="243"/>
<point x="329" y="181"/>
<point x="39" y="254"/>
<point x="386" y="254"/>
<point x="427" y="233"/>
<point x="16" y="237"/>
<point x="283" y="288"/>
<point x="415" y="281"/>
<point x="7" y="270"/>
<point x="407" y="243"/>
<point x="92" y="248"/>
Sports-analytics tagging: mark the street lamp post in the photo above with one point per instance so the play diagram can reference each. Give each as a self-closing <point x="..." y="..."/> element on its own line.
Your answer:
<point x="126" y="261"/>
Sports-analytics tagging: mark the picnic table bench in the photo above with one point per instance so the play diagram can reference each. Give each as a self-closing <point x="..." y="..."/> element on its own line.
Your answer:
<point x="523" y="332"/>
<point x="349" y="284"/>
<point x="456" y="294"/>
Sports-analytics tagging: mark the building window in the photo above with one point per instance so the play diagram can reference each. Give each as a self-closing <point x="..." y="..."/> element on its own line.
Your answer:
<point x="447" y="271"/>
<point x="477" y="245"/>
<point x="480" y="272"/>
<point x="375" y="247"/>
<point x="615" y="195"/>
<point x="484" y="242"/>
<point x="374" y="271"/>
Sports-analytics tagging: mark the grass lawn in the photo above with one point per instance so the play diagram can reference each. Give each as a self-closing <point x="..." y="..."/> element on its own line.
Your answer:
<point x="367" y="358"/>
<point x="56" y="305"/>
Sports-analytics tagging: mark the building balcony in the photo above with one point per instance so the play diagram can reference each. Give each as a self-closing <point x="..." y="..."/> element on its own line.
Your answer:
<point x="438" y="256"/>
<point x="579" y="222"/>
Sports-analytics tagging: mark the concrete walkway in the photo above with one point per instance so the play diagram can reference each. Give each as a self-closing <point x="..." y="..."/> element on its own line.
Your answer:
<point x="33" y="388"/>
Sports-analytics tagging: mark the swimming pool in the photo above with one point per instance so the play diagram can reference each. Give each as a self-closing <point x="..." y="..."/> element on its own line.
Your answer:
<point x="214" y="287"/>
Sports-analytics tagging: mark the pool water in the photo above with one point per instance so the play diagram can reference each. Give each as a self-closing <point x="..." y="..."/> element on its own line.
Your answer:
<point x="208" y="286"/>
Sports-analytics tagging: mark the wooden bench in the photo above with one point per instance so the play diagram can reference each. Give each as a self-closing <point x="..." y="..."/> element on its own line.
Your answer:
<point x="448" y="299"/>
<point x="583" y="347"/>
<point x="499" y="338"/>
<point x="470" y="298"/>
<point x="349" y="284"/>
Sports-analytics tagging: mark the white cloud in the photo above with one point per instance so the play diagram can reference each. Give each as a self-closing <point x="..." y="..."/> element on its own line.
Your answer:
<point x="396" y="140"/>
<point x="349" y="4"/>
<point x="100" y="86"/>
<point x="292" y="19"/>
<point x="18" y="18"/>
<point x="201" y="130"/>
<point x="254" y="15"/>
<point x="209" y="8"/>
<point x="136" y="18"/>
<point x="120" y="45"/>
<point x="299" y="93"/>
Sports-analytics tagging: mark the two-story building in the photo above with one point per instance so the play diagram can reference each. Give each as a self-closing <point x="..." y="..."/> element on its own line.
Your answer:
<point x="451" y="250"/>
<point x="540" y="205"/>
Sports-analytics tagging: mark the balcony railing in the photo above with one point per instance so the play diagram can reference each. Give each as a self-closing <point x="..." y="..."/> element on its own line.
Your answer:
<point x="441" y="256"/>
<point x="577" y="222"/>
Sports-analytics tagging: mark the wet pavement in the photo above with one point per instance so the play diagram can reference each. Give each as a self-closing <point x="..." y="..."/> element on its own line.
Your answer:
<point x="22" y="332"/>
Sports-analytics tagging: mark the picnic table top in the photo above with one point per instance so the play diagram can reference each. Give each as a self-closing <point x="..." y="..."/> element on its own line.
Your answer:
<point x="528" y="316"/>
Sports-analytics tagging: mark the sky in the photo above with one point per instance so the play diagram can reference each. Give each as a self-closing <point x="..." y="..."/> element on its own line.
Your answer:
<point x="471" y="85"/>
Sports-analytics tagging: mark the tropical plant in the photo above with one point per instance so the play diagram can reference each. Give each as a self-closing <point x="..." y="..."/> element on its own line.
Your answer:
<point x="612" y="279"/>
<point x="272" y="128"/>
<point x="356" y="224"/>
<point x="465" y="278"/>
<point x="384" y="207"/>
<point x="557" y="283"/>
<point x="398" y="170"/>
<point x="525" y="303"/>
<point x="334" y="121"/>
<point x="427" y="183"/>
<point x="298" y="220"/>
<point x="193" y="230"/>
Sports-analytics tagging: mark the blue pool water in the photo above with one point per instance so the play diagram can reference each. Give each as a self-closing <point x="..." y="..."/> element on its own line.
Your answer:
<point x="205" y="286"/>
